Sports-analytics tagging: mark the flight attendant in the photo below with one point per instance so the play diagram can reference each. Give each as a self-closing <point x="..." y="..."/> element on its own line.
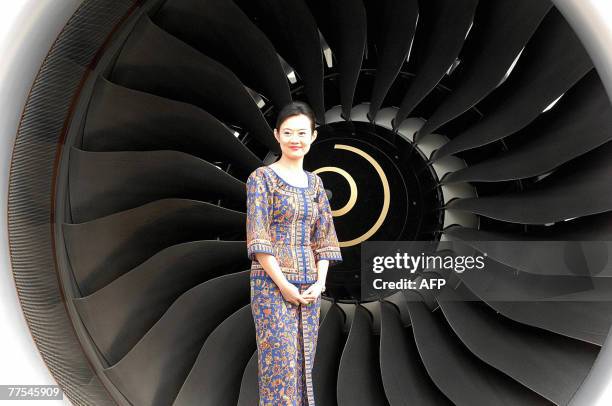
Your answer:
<point x="291" y="241"/>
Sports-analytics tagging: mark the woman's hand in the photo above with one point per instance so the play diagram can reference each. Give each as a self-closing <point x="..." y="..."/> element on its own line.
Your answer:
<point x="291" y="293"/>
<point x="313" y="292"/>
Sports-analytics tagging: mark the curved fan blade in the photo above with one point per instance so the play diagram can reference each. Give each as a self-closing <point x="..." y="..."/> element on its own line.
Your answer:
<point x="503" y="283"/>
<point x="327" y="358"/>
<point x="229" y="38"/>
<point x="549" y="364"/>
<point x="122" y="119"/>
<point x="104" y="249"/>
<point x="153" y="61"/>
<point x="215" y="378"/>
<point x="552" y="62"/>
<point x="343" y="24"/>
<point x="120" y="313"/>
<point x="249" y="390"/>
<point x="456" y="372"/>
<point x="398" y="25"/>
<point x="124" y="180"/>
<point x="558" y="197"/>
<point x="176" y="339"/>
<point x="533" y="300"/>
<point x="587" y="228"/>
<point x="445" y="23"/>
<point x="581" y="123"/>
<point x="503" y="29"/>
<point x="540" y="258"/>
<point x="293" y="30"/>
<point x="359" y="381"/>
<point x="403" y="375"/>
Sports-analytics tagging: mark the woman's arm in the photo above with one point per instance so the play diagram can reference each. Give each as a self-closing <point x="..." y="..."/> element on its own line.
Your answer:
<point x="272" y="268"/>
<point x="322" y="267"/>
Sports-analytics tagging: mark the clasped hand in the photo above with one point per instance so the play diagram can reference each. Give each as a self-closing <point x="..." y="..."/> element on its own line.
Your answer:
<point x="292" y="294"/>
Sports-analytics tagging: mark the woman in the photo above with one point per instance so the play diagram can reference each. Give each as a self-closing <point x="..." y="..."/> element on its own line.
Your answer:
<point x="291" y="241"/>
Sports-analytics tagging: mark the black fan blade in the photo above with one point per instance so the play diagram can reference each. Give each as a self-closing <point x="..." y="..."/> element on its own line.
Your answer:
<point x="457" y="372"/>
<point x="503" y="29"/>
<point x="249" y="389"/>
<point x="104" y="249"/>
<point x="155" y="62"/>
<point x="327" y="359"/>
<point x="216" y="375"/>
<point x="442" y="29"/>
<point x="549" y="364"/>
<point x="526" y="254"/>
<point x="176" y="339"/>
<point x="292" y="29"/>
<point x="122" y="119"/>
<point x="120" y="313"/>
<point x="535" y="300"/>
<point x="359" y="381"/>
<point x="398" y="25"/>
<point x="103" y="183"/>
<point x="580" y="123"/>
<point x="344" y="25"/>
<point x="557" y="197"/>
<point x="587" y="228"/>
<point x="230" y="38"/>
<point x="552" y="62"/>
<point x="403" y="374"/>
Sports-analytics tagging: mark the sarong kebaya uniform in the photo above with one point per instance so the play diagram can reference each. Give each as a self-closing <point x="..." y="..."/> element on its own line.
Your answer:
<point x="294" y="224"/>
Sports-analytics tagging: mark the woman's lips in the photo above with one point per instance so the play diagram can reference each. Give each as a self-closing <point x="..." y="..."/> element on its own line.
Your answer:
<point x="295" y="148"/>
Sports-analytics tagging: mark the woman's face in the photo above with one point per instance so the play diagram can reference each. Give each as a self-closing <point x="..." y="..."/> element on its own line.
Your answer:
<point x="295" y="136"/>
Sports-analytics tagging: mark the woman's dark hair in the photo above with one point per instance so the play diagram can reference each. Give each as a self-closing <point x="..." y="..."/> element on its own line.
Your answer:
<point x="295" y="108"/>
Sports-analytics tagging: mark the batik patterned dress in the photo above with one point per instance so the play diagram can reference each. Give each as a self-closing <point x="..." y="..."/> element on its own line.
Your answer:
<point x="294" y="224"/>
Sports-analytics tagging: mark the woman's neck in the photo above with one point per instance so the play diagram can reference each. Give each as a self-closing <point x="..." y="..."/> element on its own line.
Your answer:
<point x="291" y="165"/>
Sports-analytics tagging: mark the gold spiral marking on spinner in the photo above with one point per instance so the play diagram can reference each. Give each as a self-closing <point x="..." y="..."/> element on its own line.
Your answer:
<point x="352" y="185"/>
<point x="353" y="193"/>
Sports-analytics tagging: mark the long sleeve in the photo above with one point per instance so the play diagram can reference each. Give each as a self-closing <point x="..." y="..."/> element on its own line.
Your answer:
<point x="259" y="201"/>
<point x="325" y="242"/>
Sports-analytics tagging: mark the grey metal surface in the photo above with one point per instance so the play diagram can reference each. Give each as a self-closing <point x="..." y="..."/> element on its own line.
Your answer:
<point x="501" y="30"/>
<point x="462" y="377"/>
<point x="343" y="23"/>
<point x="549" y="364"/>
<point x="359" y="380"/>
<point x="230" y="38"/>
<point x="119" y="314"/>
<point x="580" y="122"/>
<point x="103" y="249"/>
<point x="551" y="63"/>
<point x="155" y="61"/>
<point x="403" y="374"/>
<point x="555" y="198"/>
<point x="176" y="340"/>
<point x="327" y="359"/>
<point x="146" y="122"/>
<point x="444" y="25"/>
<point x="396" y="29"/>
<point x="217" y="372"/>
<point x="135" y="178"/>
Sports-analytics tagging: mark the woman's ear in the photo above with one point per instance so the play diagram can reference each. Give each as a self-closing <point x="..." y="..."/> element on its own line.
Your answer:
<point x="276" y="135"/>
<point x="314" y="135"/>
